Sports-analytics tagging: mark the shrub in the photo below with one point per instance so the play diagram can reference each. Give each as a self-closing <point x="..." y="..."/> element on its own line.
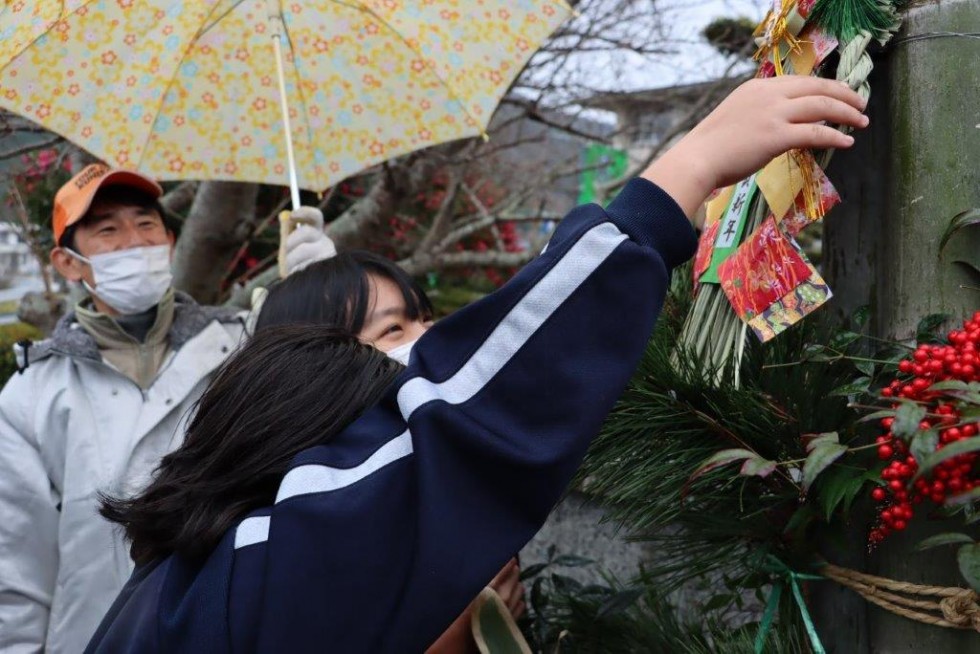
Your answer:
<point x="9" y="336"/>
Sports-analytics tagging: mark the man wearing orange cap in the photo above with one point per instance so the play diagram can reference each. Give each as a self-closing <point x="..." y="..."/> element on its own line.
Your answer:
<point x="100" y="402"/>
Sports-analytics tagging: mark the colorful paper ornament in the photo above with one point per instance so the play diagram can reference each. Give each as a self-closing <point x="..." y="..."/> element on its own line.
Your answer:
<point x="815" y="45"/>
<point x="791" y="308"/>
<point x="764" y="269"/>
<point x="706" y="246"/>
<point x="798" y="218"/>
<point x="730" y="227"/>
<point x="776" y="34"/>
<point x="717" y="203"/>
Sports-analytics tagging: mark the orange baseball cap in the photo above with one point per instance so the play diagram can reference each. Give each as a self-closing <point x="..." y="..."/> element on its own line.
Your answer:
<point x="73" y="200"/>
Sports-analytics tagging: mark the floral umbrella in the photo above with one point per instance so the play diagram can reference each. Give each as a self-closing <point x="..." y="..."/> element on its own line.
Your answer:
<point x="305" y="92"/>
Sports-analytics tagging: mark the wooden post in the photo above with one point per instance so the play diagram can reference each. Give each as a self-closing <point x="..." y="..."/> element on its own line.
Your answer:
<point x="910" y="174"/>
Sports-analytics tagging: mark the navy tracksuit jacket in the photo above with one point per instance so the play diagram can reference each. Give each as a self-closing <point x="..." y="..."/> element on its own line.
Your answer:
<point x="381" y="537"/>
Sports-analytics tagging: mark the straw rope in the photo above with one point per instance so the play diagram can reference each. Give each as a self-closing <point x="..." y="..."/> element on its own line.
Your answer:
<point x="855" y="64"/>
<point x="941" y="606"/>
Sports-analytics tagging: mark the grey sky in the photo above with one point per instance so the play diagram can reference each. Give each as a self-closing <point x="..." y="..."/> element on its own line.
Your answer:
<point x="693" y="60"/>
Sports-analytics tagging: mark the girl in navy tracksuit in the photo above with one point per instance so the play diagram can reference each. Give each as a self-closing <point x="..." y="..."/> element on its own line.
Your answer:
<point x="421" y="488"/>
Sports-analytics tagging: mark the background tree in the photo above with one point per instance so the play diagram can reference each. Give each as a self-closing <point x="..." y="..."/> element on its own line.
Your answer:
<point x="468" y="209"/>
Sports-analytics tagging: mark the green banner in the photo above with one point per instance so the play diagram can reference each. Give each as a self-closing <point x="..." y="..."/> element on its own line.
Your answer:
<point x="602" y="164"/>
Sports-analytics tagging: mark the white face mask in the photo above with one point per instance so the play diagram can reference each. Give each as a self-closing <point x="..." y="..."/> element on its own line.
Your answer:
<point x="130" y="281"/>
<point x="402" y="352"/>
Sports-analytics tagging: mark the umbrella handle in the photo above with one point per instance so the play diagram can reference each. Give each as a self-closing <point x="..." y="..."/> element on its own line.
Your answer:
<point x="275" y="22"/>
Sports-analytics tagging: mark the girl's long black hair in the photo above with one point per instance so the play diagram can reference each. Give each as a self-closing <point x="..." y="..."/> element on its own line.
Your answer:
<point x="288" y="389"/>
<point x="337" y="292"/>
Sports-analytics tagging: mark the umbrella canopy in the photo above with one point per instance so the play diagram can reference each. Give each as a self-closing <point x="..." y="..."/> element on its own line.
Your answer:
<point x="189" y="90"/>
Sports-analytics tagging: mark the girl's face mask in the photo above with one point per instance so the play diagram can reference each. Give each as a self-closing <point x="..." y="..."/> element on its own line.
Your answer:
<point x="402" y="353"/>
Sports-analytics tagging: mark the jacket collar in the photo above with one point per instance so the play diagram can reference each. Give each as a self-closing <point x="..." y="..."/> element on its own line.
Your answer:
<point x="70" y="339"/>
<point x="109" y="333"/>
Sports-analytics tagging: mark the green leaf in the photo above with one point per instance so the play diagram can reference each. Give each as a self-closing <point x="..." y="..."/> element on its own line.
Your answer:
<point x="872" y="476"/>
<point x="858" y="386"/>
<point x="818" y="460"/>
<point x="948" y="452"/>
<point x="860" y="317"/>
<point x="878" y="415"/>
<point x="723" y="458"/>
<point x="841" y="340"/>
<point x="619" y="602"/>
<point x="866" y="367"/>
<point x="719" y="602"/>
<point x="924" y="444"/>
<point x="925" y="331"/>
<point x="533" y="570"/>
<point x="572" y="561"/>
<point x="800" y="519"/>
<point x="832" y="492"/>
<point x="813" y="440"/>
<point x="565" y="584"/>
<point x="757" y="467"/>
<point x="949" y="538"/>
<point x="963" y="498"/>
<point x="959" y="221"/>
<point x="818" y="353"/>
<point x="839" y="487"/>
<point x="907" y="419"/>
<point x="968" y="558"/>
<point x="955" y="385"/>
<point x="539" y="597"/>
<point x="967" y="392"/>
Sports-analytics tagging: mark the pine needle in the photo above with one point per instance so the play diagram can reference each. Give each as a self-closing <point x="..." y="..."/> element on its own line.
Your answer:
<point x="845" y="19"/>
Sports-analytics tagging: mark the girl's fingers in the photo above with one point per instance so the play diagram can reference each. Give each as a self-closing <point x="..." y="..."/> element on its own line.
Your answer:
<point x="817" y="137"/>
<point x="799" y="86"/>
<point x="507" y="570"/>
<point x="515" y="599"/>
<point x="815" y="108"/>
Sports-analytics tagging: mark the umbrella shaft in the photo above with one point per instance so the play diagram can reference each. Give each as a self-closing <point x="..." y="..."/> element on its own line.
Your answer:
<point x="275" y="22"/>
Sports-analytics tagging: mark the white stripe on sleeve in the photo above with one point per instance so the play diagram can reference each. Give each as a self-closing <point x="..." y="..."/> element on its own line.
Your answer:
<point x="316" y="478"/>
<point x="518" y="325"/>
<point x="252" y="531"/>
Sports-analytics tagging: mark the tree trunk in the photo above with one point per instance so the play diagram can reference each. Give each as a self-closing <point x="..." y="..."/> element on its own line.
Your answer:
<point x="216" y="227"/>
<point x="903" y="183"/>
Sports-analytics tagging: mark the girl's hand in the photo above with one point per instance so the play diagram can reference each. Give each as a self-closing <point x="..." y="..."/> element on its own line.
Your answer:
<point x="458" y="638"/>
<point x="758" y="121"/>
<point x="508" y="585"/>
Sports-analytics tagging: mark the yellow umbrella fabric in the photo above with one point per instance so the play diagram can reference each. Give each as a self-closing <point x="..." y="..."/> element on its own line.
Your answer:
<point x="189" y="90"/>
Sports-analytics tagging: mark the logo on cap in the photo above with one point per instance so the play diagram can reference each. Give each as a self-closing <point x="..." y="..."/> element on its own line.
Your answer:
<point x="93" y="172"/>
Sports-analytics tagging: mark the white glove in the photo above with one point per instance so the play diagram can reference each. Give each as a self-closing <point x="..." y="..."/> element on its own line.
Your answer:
<point x="307" y="243"/>
<point x="258" y="299"/>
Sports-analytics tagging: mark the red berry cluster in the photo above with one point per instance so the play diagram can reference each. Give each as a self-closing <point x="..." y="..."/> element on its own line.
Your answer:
<point x="956" y="360"/>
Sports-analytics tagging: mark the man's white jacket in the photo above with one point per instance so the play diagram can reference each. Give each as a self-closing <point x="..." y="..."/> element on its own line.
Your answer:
<point x="72" y="427"/>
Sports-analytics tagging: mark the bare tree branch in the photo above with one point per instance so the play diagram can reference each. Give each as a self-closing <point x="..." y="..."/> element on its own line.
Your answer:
<point x="180" y="198"/>
<point x="421" y="263"/>
<point x="30" y="147"/>
<point x="443" y="217"/>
